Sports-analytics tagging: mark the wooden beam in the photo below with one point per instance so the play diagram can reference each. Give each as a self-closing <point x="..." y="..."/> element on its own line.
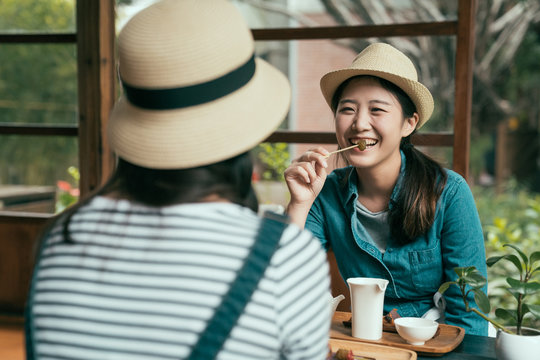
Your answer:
<point x="463" y="84"/>
<point x="40" y="130"/>
<point x="361" y="31"/>
<point x="329" y="137"/>
<point x="95" y="59"/>
<point x="38" y="38"/>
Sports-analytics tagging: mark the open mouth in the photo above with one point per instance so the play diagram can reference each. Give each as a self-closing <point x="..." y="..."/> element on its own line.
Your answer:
<point x="368" y="142"/>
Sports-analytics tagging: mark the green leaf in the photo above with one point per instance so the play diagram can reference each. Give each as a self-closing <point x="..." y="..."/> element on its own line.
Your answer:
<point x="535" y="310"/>
<point x="516" y="293"/>
<point x="516" y="287"/>
<point x="445" y="286"/>
<point x="531" y="287"/>
<point x="510" y="315"/>
<point x="493" y="260"/>
<point x="475" y="279"/>
<point x="521" y="253"/>
<point x="524" y="288"/>
<point x="514" y="260"/>
<point x="464" y="271"/>
<point x="535" y="256"/>
<point x="524" y="310"/>
<point x="482" y="301"/>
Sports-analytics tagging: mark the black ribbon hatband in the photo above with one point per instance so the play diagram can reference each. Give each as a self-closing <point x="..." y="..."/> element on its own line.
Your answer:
<point x="182" y="97"/>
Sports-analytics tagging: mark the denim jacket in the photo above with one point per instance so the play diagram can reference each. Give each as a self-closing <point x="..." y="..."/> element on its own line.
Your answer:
<point x="415" y="270"/>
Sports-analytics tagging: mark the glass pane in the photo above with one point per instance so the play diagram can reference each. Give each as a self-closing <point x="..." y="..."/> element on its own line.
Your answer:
<point x="38" y="83"/>
<point x="33" y="168"/>
<point x="295" y="13"/>
<point x="36" y="16"/>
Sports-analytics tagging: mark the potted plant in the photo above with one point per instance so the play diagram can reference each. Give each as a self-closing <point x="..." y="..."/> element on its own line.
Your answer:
<point x="510" y="343"/>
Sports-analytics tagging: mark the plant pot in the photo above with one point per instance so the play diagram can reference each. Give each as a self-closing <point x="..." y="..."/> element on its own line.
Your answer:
<point x="517" y="347"/>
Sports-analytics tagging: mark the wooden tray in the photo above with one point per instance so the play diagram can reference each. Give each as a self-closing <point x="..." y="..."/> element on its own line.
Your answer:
<point x="447" y="338"/>
<point x="372" y="351"/>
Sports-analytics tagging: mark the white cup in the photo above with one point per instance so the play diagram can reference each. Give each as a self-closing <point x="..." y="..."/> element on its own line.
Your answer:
<point x="367" y="300"/>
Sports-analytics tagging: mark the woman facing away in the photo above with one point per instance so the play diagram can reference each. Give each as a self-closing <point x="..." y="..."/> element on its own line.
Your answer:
<point x="393" y="213"/>
<point x="138" y="270"/>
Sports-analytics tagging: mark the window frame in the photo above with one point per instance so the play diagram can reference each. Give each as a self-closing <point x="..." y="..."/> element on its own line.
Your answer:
<point x="94" y="39"/>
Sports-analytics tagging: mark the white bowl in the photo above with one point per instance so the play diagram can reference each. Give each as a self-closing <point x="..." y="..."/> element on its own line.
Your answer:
<point x="416" y="331"/>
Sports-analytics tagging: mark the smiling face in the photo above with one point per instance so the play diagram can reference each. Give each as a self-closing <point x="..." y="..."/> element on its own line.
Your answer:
<point x="368" y="111"/>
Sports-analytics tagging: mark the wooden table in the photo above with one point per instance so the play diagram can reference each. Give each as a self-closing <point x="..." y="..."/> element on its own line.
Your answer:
<point x="11" y="338"/>
<point x="473" y="347"/>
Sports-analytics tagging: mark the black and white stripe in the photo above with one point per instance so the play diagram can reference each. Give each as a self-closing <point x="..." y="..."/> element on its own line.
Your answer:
<point x="141" y="283"/>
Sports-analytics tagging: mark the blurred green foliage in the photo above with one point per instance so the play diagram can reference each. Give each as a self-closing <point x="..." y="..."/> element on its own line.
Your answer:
<point x="67" y="192"/>
<point x="274" y="159"/>
<point x="38" y="85"/>
<point x="511" y="216"/>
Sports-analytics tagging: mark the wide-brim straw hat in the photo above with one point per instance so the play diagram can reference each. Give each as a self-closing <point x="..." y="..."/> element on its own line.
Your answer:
<point x="194" y="94"/>
<point x="384" y="61"/>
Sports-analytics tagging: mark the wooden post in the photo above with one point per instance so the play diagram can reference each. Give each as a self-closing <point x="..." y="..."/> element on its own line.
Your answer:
<point x="95" y="60"/>
<point x="463" y="81"/>
<point x="501" y="156"/>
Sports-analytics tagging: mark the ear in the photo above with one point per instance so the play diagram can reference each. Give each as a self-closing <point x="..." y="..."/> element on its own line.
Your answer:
<point x="409" y="125"/>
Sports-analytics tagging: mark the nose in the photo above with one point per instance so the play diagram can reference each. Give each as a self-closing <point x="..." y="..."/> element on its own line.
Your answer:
<point x="361" y="121"/>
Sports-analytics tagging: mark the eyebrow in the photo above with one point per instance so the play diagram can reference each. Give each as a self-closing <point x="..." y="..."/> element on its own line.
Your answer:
<point x="342" y="101"/>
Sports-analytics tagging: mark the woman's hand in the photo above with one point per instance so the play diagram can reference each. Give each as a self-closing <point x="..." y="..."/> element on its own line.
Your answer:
<point x="305" y="178"/>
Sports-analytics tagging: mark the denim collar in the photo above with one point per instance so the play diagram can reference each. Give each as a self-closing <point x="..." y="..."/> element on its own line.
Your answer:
<point x="350" y="187"/>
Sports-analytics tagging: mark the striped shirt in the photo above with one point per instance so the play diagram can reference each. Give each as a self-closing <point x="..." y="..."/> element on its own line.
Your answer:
<point x="141" y="283"/>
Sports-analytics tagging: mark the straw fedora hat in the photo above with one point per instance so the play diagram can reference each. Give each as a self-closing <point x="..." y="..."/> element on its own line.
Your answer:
<point x="194" y="94"/>
<point x="384" y="61"/>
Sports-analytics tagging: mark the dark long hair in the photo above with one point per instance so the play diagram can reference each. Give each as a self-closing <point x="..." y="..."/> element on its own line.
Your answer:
<point x="413" y="212"/>
<point x="229" y="179"/>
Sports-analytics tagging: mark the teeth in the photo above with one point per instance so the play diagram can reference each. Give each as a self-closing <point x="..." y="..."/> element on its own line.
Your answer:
<point x="364" y="143"/>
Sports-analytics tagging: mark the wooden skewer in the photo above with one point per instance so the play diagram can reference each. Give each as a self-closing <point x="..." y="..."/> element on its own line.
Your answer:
<point x="361" y="145"/>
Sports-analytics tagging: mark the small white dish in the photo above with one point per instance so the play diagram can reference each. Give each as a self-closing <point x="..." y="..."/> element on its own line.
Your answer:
<point x="416" y="331"/>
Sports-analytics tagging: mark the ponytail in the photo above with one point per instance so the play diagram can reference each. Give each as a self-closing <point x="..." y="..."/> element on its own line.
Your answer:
<point x="413" y="212"/>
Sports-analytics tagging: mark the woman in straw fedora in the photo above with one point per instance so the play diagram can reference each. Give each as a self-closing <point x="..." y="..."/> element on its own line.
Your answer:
<point x="393" y="213"/>
<point x="160" y="263"/>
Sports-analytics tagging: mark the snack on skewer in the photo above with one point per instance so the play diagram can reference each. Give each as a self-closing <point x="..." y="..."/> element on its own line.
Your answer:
<point x="361" y="144"/>
<point x="346" y="354"/>
<point x="388" y="320"/>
